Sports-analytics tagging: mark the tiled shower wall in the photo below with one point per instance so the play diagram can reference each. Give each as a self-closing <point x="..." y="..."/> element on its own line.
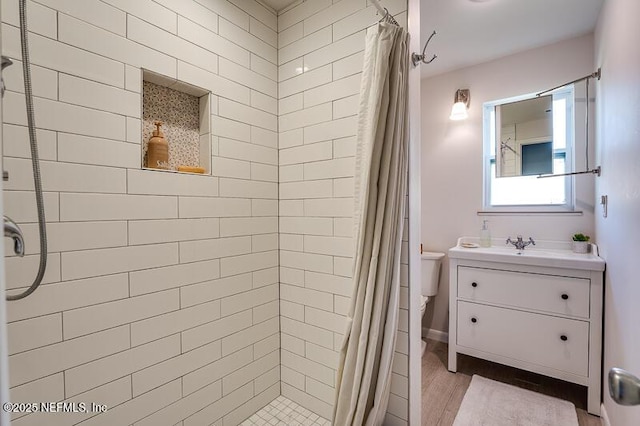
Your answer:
<point x="161" y="295"/>
<point x="320" y="60"/>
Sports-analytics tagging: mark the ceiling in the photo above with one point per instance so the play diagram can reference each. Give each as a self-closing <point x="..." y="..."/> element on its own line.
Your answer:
<point x="474" y="31"/>
<point x="278" y="5"/>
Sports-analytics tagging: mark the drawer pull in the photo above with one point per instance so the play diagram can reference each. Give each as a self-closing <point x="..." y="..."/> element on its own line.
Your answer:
<point x="564" y="338"/>
<point x="474" y="284"/>
<point x="474" y="320"/>
<point x="565" y="296"/>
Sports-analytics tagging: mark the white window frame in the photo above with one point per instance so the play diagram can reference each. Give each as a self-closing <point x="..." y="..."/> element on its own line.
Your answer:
<point x="488" y="156"/>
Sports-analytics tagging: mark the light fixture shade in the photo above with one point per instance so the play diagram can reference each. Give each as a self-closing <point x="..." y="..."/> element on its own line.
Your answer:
<point x="459" y="111"/>
<point x="461" y="104"/>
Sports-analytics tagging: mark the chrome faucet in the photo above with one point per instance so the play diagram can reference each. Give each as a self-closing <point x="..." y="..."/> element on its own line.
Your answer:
<point x="13" y="231"/>
<point x="520" y="244"/>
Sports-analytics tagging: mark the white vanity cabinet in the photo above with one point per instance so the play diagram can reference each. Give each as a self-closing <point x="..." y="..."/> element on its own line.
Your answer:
<point x="539" y="311"/>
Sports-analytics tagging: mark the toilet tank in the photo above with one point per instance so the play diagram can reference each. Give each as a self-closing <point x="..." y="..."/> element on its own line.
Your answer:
<point x="430" y="272"/>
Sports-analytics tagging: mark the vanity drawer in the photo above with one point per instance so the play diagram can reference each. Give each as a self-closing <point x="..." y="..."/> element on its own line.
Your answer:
<point x="547" y="293"/>
<point x="558" y="343"/>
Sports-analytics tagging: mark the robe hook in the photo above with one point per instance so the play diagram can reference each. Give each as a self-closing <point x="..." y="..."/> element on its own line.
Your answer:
<point x="416" y="58"/>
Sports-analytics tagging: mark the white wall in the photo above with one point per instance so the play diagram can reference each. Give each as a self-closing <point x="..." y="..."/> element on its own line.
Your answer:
<point x="452" y="153"/>
<point x="618" y="130"/>
<point x="318" y="109"/>
<point x="161" y="296"/>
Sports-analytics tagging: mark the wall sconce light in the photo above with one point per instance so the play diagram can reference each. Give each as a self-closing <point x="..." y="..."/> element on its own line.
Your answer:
<point x="459" y="109"/>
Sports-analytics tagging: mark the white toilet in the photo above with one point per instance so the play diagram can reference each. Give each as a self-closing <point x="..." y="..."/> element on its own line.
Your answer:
<point x="430" y="278"/>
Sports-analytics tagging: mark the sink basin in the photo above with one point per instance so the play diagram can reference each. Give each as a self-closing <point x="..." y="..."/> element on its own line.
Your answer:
<point x="545" y="253"/>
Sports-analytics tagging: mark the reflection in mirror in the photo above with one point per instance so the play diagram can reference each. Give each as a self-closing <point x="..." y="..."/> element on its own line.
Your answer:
<point x="524" y="137"/>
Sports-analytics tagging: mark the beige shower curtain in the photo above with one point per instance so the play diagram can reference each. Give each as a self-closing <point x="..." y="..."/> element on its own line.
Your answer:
<point x="364" y="375"/>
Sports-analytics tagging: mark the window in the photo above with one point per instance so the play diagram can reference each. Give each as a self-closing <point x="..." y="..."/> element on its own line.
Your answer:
<point x="524" y="191"/>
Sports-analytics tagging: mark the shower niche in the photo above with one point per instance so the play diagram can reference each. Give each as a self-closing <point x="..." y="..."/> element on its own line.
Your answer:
<point x="185" y="113"/>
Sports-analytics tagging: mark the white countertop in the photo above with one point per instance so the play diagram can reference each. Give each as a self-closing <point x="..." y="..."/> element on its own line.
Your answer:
<point x="556" y="254"/>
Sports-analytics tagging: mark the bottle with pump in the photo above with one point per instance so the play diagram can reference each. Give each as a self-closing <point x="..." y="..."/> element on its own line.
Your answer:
<point x="485" y="235"/>
<point x="158" y="149"/>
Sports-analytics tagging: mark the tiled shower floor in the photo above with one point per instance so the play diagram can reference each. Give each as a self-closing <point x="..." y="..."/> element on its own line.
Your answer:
<point x="284" y="412"/>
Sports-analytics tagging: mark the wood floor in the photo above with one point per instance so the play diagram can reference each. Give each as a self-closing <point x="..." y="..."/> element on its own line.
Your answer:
<point x="442" y="391"/>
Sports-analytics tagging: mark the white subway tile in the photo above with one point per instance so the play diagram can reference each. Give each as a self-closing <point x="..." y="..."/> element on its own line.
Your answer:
<point x="215" y="289"/>
<point x="348" y="66"/>
<point x="16" y="143"/>
<point x="133" y="130"/>
<point x="88" y="376"/>
<point x="293" y="344"/>
<point x="400" y="385"/>
<point x="65" y="117"/>
<point x="248" y="300"/>
<point x="306" y="225"/>
<point x="308" y="368"/>
<point x="398" y="406"/>
<point x="37" y="363"/>
<point x="52" y="298"/>
<point x="223" y="46"/>
<point x="268" y="310"/>
<point x="110" y="395"/>
<point x="345" y="147"/>
<point x="259" y="13"/>
<point x="193" y="251"/>
<point x="334" y="246"/>
<point x="264" y="172"/>
<point x="290" y="70"/>
<point x="21" y="206"/>
<point x="75" y="207"/>
<point x="309" y="79"/>
<point x="343" y="167"/>
<point x="264" y="208"/>
<point x="70" y="236"/>
<point x="264" y="137"/>
<point x="194" y="207"/>
<point x="289" y="35"/>
<point x="320" y="390"/>
<point x="335" y="129"/>
<point x="307" y="297"/>
<point x="328" y="283"/>
<point x="139" y="407"/>
<point x="265" y="277"/>
<point x="168" y="370"/>
<point x="152" y="36"/>
<point x="301" y="12"/>
<point x="255" y="117"/>
<point x="236" y="341"/>
<point x="248" y="189"/>
<point x="291" y="242"/>
<point x="306" y="153"/>
<point x="307" y="261"/>
<point x="162" y="231"/>
<point x="329" y="207"/>
<point x="44" y="81"/>
<point x="323" y="319"/>
<point x="264" y="32"/>
<point x="330" y="15"/>
<point x="270" y="378"/>
<point x="292" y="276"/>
<point x="216" y="370"/>
<point x="229" y="11"/>
<point x="65" y="177"/>
<point x="343" y="187"/>
<point x="288" y="208"/>
<point x="50" y="388"/>
<point x="341" y="305"/>
<point x="91" y="263"/>
<point x="79" y="322"/>
<point x="292" y="377"/>
<point x="343" y="266"/>
<point x="346" y="107"/>
<point x="224" y="406"/>
<point x="101" y="152"/>
<point x="248" y="41"/>
<point x="163" y="183"/>
<point x="290" y="104"/>
<point x="226" y="128"/>
<point x="305" y="117"/>
<point x="247" y="77"/>
<point x="193" y="11"/>
<point x="174" y="322"/>
<point x="307" y="189"/>
<point x="247" y="373"/>
<point x="268" y="345"/>
<point x="293" y="311"/>
<point x="293" y="173"/>
<point x="248" y="262"/>
<point x="264" y="103"/>
<point x="290" y="139"/>
<point x="34" y="333"/>
<point x="163" y="278"/>
<point x="64" y="58"/>
<point x="365" y="18"/>
<point x="338" y="89"/>
<point x="42" y="20"/>
<point x="334" y="51"/>
<point x="151" y="11"/>
<point x="217" y="85"/>
<point x="214" y="331"/>
<point x="248" y="226"/>
<point x="94" y="12"/>
<point x="79" y="91"/>
<point x="226" y="167"/>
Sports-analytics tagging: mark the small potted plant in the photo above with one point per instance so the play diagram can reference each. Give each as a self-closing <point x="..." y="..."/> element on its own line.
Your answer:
<point x="580" y="243"/>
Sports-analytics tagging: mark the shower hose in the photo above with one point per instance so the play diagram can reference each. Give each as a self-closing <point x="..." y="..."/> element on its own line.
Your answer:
<point x="34" y="156"/>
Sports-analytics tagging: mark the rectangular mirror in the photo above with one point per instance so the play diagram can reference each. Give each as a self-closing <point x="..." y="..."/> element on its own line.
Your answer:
<point x="524" y="137"/>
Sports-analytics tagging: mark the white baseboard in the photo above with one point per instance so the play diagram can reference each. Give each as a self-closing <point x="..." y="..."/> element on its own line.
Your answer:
<point x="440" y="336"/>
<point x="604" y="418"/>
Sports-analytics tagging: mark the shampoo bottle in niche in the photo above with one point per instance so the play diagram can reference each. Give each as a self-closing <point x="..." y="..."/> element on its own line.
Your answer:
<point x="485" y="235"/>
<point x="158" y="149"/>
